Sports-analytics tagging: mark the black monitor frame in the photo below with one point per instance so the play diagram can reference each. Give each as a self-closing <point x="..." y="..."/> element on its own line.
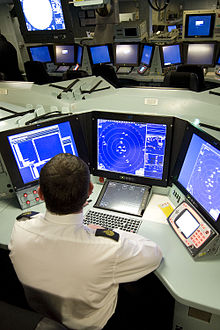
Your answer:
<point x="110" y="50"/>
<point x="190" y="130"/>
<point x="162" y="55"/>
<point x="141" y="49"/>
<point x="50" y="48"/>
<point x="168" y="121"/>
<point x="211" y="31"/>
<point x="46" y="36"/>
<point x="9" y="158"/>
<point x="186" y="46"/>
<point x="65" y="63"/>
<point x="127" y="63"/>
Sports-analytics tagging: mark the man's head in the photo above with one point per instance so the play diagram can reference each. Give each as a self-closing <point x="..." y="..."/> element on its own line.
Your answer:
<point x="65" y="184"/>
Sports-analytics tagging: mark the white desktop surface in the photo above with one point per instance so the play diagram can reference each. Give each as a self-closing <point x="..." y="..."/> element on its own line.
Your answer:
<point x="192" y="283"/>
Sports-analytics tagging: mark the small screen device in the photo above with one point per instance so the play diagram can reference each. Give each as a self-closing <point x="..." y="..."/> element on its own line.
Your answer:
<point x="124" y="197"/>
<point x="197" y="235"/>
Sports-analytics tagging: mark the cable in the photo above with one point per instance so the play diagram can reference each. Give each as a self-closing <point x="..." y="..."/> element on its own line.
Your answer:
<point x="157" y="8"/>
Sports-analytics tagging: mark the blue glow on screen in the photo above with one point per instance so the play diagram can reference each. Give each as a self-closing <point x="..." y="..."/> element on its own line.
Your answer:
<point x="32" y="149"/>
<point x="171" y="54"/>
<point x="65" y="54"/>
<point x="79" y="55"/>
<point x="131" y="148"/>
<point x="171" y="27"/>
<point x="100" y="54"/>
<point x="200" y="175"/>
<point x="43" y="15"/>
<point x="146" y="54"/>
<point x="40" y="54"/>
<point x="199" y="25"/>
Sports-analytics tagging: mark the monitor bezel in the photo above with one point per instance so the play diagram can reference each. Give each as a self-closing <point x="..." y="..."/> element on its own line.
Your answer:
<point x="50" y="48"/>
<point x="162" y="55"/>
<point x="110" y="51"/>
<point x="141" y="49"/>
<point x="9" y="158"/>
<point x="211" y="30"/>
<point x="127" y="63"/>
<point x="47" y="36"/>
<point x="185" y="51"/>
<point x="65" y="63"/>
<point x="190" y="130"/>
<point x="168" y="121"/>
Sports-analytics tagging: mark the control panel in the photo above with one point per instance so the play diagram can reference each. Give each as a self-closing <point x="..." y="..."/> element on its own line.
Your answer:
<point x="28" y="196"/>
<point x="194" y="231"/>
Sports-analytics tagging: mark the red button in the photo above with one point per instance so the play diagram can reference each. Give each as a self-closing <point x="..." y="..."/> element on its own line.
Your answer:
<point x="35" y="192"/>
<point x="25" y="195"/>
<point x="37" y="199"/>
<point x="28" y="202"/>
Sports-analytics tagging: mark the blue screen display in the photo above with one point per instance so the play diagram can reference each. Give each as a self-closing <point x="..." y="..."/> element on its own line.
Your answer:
<point x="32" y="149"/>
<point x="127" y="54"/>
<point x="199" y="25"/>
<point x="171" y="54"/>
<point x="200" y="175"/>
<point x="100" y="54"/>
<point x="65" y="54"/>
<point x="43" y="15"/>
<point x="146" y="54"/>
<point x="131" y="148"/>
<point x="40" y="54"/>
<point x="171" y="27"/>
<point x="79" y="55"/>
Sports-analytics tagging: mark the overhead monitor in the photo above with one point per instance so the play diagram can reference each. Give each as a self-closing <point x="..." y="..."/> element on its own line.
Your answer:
<point x="25" y="150"/>
<point x="171" y="27"/>
<point x="100" y="54"/>
<point x="171" y="55"/>
<point x="40" y="53"/>
<point x="197" y="173"/>
<point x="65" y="54"/>
<point x="201" y="53"/>
<point x="127" y="54"/>
<point x="147" y="53"/>
<point x="131" y="147"/>
<point x="199" y="25"/>
<point x="44" y="20"/>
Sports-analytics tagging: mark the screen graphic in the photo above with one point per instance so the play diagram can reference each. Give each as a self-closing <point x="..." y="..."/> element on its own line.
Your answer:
<point x="32" y="149"/>
<point x="43" y="14"/>
<point x="131" y="147"/>
<point x="200" y="175"/>
<point x="199" y="25"/>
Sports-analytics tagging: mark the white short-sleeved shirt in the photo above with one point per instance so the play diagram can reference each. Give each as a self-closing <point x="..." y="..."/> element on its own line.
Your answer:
<point x="77" y="271"/>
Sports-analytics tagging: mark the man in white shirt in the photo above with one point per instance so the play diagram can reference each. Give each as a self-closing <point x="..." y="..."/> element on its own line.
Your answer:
<point x="71" y="272"/>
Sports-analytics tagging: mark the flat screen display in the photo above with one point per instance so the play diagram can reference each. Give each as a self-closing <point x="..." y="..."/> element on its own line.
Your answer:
<point x="199" y="25"/>
<point x="32" y="149"/>
<point x="40" y="53"/>
<point x="136" y="150"/>
<point x="187" y="223"/>
<point x="147" y="54"/>
<point x="100" y="54"/>
<point x="43" y="15"/>
<point x="126" y="54"/>
<point x="79" y="54"/>
<point x="64" y="54"/>
<point x="171" y="27"/>
<point x="201" y="53"/>
<point x="171" y="55"/>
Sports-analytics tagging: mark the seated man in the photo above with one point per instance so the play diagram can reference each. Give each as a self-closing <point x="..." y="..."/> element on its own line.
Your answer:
<point x="71" y="272"/>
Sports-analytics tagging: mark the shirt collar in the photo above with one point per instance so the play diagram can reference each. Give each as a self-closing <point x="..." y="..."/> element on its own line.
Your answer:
<point x="73" y="218"/>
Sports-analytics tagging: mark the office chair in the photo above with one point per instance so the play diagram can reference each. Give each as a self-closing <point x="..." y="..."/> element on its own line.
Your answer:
<point x="37" y="73"/>
<point x="197" y="69"/>
<point x="182" y="80"/>
<point x="107" y="72"/>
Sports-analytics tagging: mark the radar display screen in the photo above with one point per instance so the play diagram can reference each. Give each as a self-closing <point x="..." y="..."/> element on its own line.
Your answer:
<point x="132" y="148"/>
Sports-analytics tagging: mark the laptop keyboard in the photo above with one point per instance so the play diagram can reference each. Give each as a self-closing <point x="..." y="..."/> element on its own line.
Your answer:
<point x="110" y="221"/>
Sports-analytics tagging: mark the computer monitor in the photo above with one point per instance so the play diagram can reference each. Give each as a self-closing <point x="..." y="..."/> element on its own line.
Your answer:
<point x="40" y="53"/>
<point x="201" y="53"/>
<point x="44" y="21"/>
<point x="65" y="54"/>
<point x="25" y="150"/>
<point x="171" y="55"/>
<point x="79" y="55"/>
<point x="132" y="148"/>
<point x="199" y="25"/>
<point x="127" y="54"/>
<point x="197" y="173"/>
<point x="100" y="54"/>
<point x="147" y="53"/>
<point x="171" y="27"/>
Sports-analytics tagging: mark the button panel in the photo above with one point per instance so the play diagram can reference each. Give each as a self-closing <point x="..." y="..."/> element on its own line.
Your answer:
<point x="28" y="197"/>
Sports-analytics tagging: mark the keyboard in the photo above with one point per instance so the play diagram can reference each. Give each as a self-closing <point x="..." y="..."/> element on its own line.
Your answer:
<point x="110" y="221"/>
